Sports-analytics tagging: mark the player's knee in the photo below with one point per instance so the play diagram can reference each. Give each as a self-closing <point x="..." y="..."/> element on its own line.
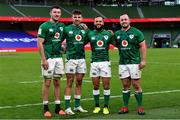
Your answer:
<point x="69" y="84"/>
<point x="46" y="84"/>
<point x="106" y="87"/>
<point x="126" y="86"/>
<point x="136" y="86"/>
<point x="79" y="82"/>
<point x="96" y="87"/>
<point x="56" y="84"/>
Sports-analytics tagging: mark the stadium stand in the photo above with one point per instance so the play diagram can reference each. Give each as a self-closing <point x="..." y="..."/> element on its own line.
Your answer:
<point x="14" y="40"/>
<point x="137" y="11"/>
<point x="34" y="11"/>
<point x="107" y="11"/>
<point x="86" y="10"/>
<point x="6" y="10"/>
<point x="161" y="11"/>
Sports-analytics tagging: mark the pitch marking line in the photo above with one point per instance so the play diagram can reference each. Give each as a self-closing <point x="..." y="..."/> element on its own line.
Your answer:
<point x="87" y="99"/>
<point x="40" y="81"/>
<point x="86" y="79"/>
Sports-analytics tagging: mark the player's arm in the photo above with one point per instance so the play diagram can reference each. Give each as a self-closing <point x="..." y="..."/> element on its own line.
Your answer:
<point x="41" y="52"/>
<point x="111" y="34"/>
<point x="143" y="54"/>
<point x="114" y="40"/>
<point x="86" y="40"/>
<point x="84" y="26"/>
<point x="63" y="46"/>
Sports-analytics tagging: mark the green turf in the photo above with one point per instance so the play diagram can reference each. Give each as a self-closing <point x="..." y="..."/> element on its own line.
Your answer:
<point x="161" y="74"/>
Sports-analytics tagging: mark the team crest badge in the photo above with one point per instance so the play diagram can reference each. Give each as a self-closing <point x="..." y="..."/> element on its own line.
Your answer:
<point x="56" y="35"/>
<point x="70" y="32"/>
<point x="124" y="43"/>
<point x="92" y="38"/>
<point x="50" y="30"/>
<point x="105" y="37"/>
<point x="61" y="28"/>
<point x="82" y="31"/>
<point x="131" y="36"/>
<point x="78" y="37"/>
<point x="100" y="43"/>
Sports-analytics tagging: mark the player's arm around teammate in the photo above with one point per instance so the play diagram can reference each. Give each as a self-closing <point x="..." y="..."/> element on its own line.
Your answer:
<point x="100" y="39"/>
<point x="75" y="66"/>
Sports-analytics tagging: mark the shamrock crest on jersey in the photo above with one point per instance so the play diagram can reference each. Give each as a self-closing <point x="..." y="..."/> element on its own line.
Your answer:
<point x="131" y="36"/>
<point x="78" y="37"/>
<point x="61" y="28"/>
<point x="51" y="30"/>
<point x="57" y="35"/>
<point x="106" y="37"/>
<point x="124" y="43"/>
<point x="100" y="43"/>
<point x="82" y="31"/>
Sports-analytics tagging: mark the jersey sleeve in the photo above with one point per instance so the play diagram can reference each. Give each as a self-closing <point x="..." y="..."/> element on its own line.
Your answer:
<point x="86" y="40"/>
<point x="42" y="31"/>
<point x="140" y="36"/>
<point x="110" y="37"/>
<point x="114" y="39"/>
<point x="63" y="33"/>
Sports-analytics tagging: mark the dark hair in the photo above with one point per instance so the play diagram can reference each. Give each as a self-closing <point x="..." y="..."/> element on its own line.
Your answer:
<point x="76" y="12"/>
<point x="99" y="16"/>
<point x="55" y="6"/>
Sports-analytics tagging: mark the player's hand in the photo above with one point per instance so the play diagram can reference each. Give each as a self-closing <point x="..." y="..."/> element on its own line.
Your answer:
<point x="142" y="64"/>
<point x="84" y="26"/>
<point x="63" y="49"/>
<point x="45" y="64"/>
<point x="112" y="33"/>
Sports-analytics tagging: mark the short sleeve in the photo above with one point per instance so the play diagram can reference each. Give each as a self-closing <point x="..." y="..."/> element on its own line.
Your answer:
<point x="140" y="36"/>
<point x="42" y="31"/>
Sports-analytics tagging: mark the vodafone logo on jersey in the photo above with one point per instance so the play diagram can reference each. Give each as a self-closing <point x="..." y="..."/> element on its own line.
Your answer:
<point x="57" y="35"/>
<point x="78" y="37"/>
<point x="124" y="43"/>
<point x="100" y="43"/>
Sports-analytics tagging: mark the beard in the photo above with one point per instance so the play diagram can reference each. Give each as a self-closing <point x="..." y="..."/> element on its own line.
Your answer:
<point x="55" y="19"/>
<point x="125" y="26"/>
<point x="99" y="28"/>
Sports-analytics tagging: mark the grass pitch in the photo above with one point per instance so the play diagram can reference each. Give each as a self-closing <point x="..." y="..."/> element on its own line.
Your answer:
<point x="21" y="82"/>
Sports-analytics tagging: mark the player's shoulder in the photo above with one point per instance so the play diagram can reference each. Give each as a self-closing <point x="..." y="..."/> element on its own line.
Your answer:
<point x="44" y="24"/>
<point x="91" y="32"/>
<point x="108" y="31"/>
<point x="135" y="29"/>
<point x="68" y="27"/>
<point x="118" y="32"/>
<point x="61" y="24"/>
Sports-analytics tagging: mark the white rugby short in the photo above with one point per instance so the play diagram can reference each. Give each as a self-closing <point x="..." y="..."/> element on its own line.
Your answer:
<point x="75" y="66"/>
<point x="102" y="69"/>
<point x="56" y="68"/>
<point x="129" y="70"/>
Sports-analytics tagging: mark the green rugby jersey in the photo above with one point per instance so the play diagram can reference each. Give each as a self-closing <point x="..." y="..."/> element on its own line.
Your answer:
<point x="128" y="45"/>
<point x="75" y="41"/>
<point x="52" y="34"/>
<point x="100" y="41"/>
